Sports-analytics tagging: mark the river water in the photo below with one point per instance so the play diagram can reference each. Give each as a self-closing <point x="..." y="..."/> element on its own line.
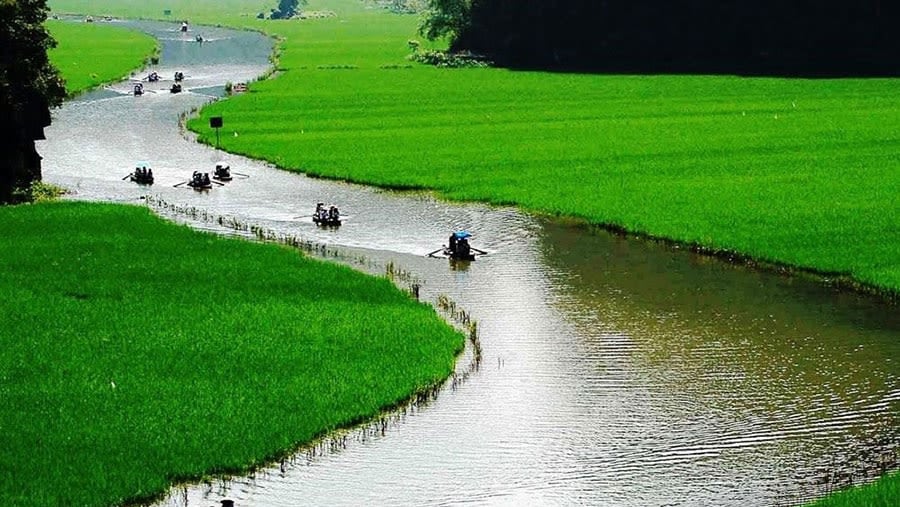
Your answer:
<point x="615" y="372"/>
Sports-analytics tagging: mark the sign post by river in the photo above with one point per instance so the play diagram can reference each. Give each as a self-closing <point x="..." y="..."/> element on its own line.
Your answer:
<point x="216" y="123"/>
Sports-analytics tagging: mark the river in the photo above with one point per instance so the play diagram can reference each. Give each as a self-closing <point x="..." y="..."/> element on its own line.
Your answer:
<point x="615" y="372"/>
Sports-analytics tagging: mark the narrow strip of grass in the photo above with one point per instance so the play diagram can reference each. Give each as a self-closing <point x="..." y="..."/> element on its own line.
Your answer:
<point x="92" y="54"/>
<point x="135" y="352"/>
<point x="884" y="492"/>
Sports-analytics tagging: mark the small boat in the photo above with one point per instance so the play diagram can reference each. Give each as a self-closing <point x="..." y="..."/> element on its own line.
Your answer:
<point x="222" y="173"/>
<point x="459" y="248"/>
<point x="138" y="90"/>
<point x="179" y="77"/>
<point x="153" y="77"/>
<point x="141" y="176"/>
<point x="200" y="181"/>
<point x="176" y="88"/>
<point x="327" y="217"/>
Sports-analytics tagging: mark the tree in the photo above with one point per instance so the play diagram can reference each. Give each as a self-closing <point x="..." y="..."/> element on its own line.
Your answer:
<point x="29" y="87"/>
<point x="781" y="37"/>
<point x="286" y="9"/>
<point x="446" y="18"/>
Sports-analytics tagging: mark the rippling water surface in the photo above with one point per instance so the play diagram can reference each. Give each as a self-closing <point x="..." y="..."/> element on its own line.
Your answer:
<point x="615" y="372"/>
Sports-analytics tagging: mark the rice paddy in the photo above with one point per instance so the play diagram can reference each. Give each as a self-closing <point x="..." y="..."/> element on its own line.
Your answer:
<point x="91" y="54"/>
<point x="792" y="172"/>
<point x="796" y="172"/>
<point x="788" y="171"/>
<point x="137" y="352"/>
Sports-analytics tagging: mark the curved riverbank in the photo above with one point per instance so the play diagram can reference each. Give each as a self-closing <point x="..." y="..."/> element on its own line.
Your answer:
<point x="746" y="326"/>
<point x="89" y="55"/>
<point x="193" y="354"/>
<point x="785" y="172"/>
<point x="139" y="352"/>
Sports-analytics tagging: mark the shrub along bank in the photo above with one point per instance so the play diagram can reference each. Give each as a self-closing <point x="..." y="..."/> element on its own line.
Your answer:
<point x="136" y="352"/>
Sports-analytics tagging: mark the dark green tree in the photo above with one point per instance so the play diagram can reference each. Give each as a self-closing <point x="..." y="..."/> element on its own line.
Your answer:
<point x="286" y="8"/>
<point x="782" y="37"/>
<point x="29" y="87"/>
<point x="446" y="18"/>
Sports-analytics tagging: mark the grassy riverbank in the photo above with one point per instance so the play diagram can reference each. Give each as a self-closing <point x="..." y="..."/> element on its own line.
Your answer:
<point x="92" y="54"/>
<point x="885" y="492"/>
<point x="135" y="352"/>
<point x="793" y="171"/>
<point x="789" y="171"/>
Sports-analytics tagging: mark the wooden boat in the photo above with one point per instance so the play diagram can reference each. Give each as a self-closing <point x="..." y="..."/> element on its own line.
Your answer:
<point x="327" y="221"/>
<point x="222" y="173"/>
<point x="142" y="178"/>
<point x="326" y="217"/>
<point x="199" y="185"/>
<point x="459" y="248"/>
<point x="200" y="181"/>
<point x="459" y="255"/>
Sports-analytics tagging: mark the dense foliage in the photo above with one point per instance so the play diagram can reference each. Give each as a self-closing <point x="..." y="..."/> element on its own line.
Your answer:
<point x="29" y="87"/>
<point x="286" y="9"/>
<point x="764" y="36"/>
<point x="134" y="352"/>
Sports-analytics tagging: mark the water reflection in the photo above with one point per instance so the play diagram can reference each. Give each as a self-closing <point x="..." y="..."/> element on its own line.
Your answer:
<point x="615" y="372"/>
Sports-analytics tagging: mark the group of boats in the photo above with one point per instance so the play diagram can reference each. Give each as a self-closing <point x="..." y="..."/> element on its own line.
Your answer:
<point x="153" y="77"/>
<point x="457" y="249"/>
<point x="222" y="174"/>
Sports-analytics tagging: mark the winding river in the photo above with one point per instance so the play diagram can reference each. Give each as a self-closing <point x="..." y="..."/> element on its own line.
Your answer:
<point x="615" y="372"/>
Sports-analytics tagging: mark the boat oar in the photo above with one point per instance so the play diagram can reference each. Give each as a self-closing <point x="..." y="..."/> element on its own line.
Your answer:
<point x="441" y="249"/>
<point x="472" y="248"/>
<point x="127" y="176"/>
<point x="241" y="175"/>
<point x="178" y="185"/>
<point x="217" y="183"/>
<point x="303" y="216"/>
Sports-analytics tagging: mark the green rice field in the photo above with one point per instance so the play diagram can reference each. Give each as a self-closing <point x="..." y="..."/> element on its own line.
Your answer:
<point x="136" y="352"/>
<point x="798" y="172"/>
<point x="793" y="172"/>
<point x="92" y="54"/>
<point x="789" y="171"/>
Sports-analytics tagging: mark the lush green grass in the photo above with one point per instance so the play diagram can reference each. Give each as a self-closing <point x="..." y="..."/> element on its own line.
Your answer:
<point x="91" y="54"/>
<point x="208" y="11"/>
<point x="135" y="351"/>
<point x="882" y="493"/>
<point x="794" y="171"/>
<point x="801" y="172"/>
